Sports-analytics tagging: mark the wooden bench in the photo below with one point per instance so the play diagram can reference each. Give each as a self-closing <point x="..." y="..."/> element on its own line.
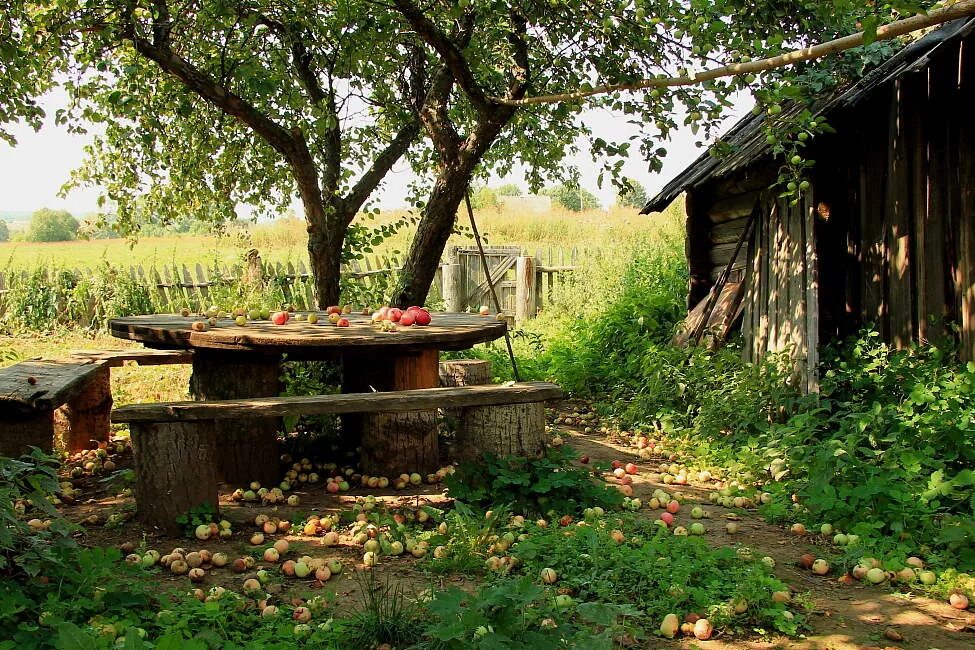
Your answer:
<point x="65" y="399"/>
<point x="176" y="451"/>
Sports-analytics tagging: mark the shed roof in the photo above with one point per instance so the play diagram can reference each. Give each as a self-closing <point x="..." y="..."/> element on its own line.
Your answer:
<point x="747" y="139"/>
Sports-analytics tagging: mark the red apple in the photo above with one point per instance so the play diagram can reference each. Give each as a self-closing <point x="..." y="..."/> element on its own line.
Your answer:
<point x="280" y="317"/>
<point x="407" y="319"/>
<point x="617" y="464"/>
<point x="667" y="518"/>
<point x="631" y="468"/>
<point x="343" y="322"/>
<point x="422" y="317"/>
<point x="334" y="309"/>
<point x="394" y="314"/>
<point x="584" y="460"/>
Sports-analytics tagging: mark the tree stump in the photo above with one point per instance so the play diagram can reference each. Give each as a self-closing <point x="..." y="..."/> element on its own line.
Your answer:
<point x="175" y="471"/>
<point x="462" y="372"/>
<point x="394" y="443"/>
<point x="510" y="430"/>
<point x="86" y="418"/>
<point x="248" y="447"/>
<point x="465" y="372"/>
<point x="18" y="435"/>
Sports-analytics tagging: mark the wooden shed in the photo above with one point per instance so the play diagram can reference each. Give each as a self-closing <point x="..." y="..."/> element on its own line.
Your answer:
<point x="885" y="235"/>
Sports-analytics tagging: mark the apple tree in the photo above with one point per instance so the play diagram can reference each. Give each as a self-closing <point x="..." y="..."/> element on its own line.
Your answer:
<point x="199" y="108"/>
<point x="522" y="70"/>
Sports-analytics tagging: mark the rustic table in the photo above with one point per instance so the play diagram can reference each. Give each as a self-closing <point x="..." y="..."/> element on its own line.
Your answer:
<point x="232" y="362"/>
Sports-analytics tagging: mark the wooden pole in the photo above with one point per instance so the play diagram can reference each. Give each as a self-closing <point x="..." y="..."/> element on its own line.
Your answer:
<point x="526" y="299"/>
<point x="453" y="288"/>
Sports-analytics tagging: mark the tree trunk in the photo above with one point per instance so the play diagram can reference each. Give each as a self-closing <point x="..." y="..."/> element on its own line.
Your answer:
<point x="326" y="234"/>
<point x="248" y="448"/>
<point x="512" y="430"/>
<point x="394" y="443"/>
<point x="17" y="436"/>
<point x="86" y="420"/>
<point x="175" y="471"/>
<point x="437" y="222"/>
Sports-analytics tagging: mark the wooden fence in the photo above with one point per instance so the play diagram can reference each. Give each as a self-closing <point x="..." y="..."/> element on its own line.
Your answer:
<point x="525" y="283"/>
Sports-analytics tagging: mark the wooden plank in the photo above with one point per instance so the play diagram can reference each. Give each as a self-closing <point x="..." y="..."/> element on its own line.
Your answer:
<point x="387" y="402"/>
<point x="896" y="206"/>
<point x="720" y="254"/>
<point x="966" y="208"/>
<point x="811" y="283"/>
<point x="446" y="332"/>
<point x="727" y="232"/>
<point x="142" y="356"/>
<point x="42" y="385"/>
<point x="931" y="289"/>
<point x="731" y="208"/>
<point x="873" y="231"/>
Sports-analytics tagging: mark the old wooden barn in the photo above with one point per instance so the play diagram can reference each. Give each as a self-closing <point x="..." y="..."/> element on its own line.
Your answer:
<point x="885" y="236"/>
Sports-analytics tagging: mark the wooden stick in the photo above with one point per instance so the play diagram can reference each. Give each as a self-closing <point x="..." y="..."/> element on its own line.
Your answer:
<point x="960" y="9"/>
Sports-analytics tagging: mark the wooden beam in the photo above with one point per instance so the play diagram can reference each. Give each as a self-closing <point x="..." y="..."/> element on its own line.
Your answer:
<point x="142" y="356"/>
<point x="391" y="402"/>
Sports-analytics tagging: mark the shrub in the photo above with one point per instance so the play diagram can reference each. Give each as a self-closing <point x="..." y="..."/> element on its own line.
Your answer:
<point x="48" y="225"/>
<point x="573" y="197"/>
<point x="4" y="231"/>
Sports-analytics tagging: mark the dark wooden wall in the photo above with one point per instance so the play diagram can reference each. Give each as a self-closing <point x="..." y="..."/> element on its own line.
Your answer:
<point x="886" y="237"/>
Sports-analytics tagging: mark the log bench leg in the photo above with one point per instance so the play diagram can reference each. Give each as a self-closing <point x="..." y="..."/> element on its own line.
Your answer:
<point x="394" y="443"/>
<point x="86" y="418"/>
<point x="248" y="447"/>
<point x="462" y="372"/>
<point x="508" y="430"/>
<point x="175" y="471"/>
<point x="16" y="436"/>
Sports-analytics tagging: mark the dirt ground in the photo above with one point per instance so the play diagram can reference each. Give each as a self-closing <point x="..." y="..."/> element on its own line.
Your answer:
<point x="844" y="617"/>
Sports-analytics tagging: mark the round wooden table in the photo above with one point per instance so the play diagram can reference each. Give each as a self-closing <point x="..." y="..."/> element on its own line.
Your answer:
<point x="236" y="362"/>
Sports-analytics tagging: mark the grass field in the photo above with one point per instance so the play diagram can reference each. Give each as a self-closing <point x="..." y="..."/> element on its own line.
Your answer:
<point x="285" y="240"/>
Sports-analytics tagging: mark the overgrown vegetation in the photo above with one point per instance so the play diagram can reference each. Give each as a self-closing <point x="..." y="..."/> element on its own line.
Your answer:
<point x="885" y="450"/>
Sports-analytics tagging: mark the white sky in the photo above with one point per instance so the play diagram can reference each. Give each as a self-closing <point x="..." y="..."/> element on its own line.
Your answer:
<point x="32" y="172"/>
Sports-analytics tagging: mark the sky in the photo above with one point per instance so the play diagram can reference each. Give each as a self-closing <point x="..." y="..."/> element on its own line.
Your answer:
<point x="31" y="174"/>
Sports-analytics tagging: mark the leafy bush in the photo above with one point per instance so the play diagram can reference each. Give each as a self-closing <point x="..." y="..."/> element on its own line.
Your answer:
<point x="4" y="231"/>
<point x="551" y="483"/>
<point x="48" y="225"/>
<point x="573" y="197"/>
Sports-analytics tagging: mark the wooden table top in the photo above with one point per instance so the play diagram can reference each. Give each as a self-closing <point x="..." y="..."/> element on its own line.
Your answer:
<point x="447" y="331"/>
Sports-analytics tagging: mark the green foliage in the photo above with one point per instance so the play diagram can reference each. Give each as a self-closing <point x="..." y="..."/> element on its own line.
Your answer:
<point x="25" y="486"/>
<point x="532" y="486"/>
<point x="467" y="540"/>
<point x="485" y="198"/>
<point x="4" y="231"/>
<point x="632" y="194"/>
<point x="199" y="515"/>
<point x="886" y="450"/>
<point x="518" y="613"/>
<point x="657" y="573"/>
<point x="573" y="196"/>
<point x="48" y="225"/>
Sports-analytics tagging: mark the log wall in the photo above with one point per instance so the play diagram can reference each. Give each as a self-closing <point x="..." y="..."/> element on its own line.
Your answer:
<point x="886" y="237"/>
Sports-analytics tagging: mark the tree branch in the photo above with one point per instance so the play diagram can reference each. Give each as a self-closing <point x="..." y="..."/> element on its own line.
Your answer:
<point x="290" y="144"/>
<point x="960" y="9"/>
<point x="380" y="167"/>
<point x="448" y="50"/>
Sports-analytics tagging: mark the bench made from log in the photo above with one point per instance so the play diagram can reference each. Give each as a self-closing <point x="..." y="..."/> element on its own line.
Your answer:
<point x="175" y="449"/>
<point x="70" y="399"/>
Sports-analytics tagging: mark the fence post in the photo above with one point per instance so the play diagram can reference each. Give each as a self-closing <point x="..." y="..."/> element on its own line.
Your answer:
<point x="526" y="299"/>
<point x="255" y="269"/>
<point x="453" y="289"/>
